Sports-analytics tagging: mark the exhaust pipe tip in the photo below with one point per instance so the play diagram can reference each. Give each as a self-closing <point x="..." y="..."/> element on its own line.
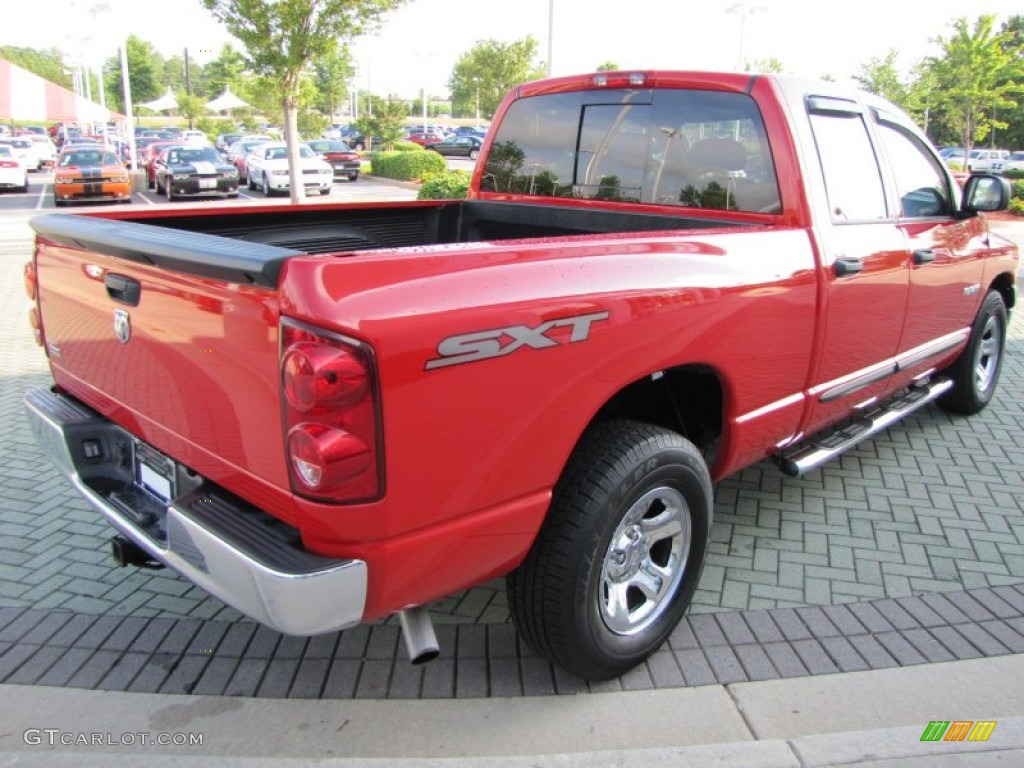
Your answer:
<point x="418" y="632"/>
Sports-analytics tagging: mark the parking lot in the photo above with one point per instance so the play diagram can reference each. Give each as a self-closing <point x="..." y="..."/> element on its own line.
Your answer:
<point x="40" y="195"/>
<point x="908" y="550"/>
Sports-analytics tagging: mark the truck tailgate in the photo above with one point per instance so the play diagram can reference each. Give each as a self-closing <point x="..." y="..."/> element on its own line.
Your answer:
<point x="173" y="335"/>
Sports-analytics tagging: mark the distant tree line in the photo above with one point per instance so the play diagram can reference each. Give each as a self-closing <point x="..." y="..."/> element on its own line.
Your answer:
<point x="969" y="93"/>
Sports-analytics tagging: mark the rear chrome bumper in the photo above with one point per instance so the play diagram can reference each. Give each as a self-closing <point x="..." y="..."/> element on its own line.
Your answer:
<point x="245" y="557"/>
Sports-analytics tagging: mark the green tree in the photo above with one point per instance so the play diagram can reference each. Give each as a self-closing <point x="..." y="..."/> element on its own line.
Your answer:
<point x="226" y="71"/>
<point x="48" y="64"/>
<point x="284" y="37"/>
<point x="144" y="66"/>
<point x="332" y="73"/>
<point x="771" y="65"/>
<point x="977" y="78"/>
<point x="1013" y="36"/>
<point x="882" y="78"/>
<point x="492" y="68"/>
<point x="608" y="66"/>
<point x="190" y="107"/>
<point x="387" y="124"/>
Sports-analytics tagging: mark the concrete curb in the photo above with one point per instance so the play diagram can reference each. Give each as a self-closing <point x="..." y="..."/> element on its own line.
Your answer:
<point x="843" y="719"/>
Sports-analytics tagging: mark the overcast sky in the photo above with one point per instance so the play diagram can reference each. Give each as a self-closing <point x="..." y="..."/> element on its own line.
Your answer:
<point x="418" y="44"/>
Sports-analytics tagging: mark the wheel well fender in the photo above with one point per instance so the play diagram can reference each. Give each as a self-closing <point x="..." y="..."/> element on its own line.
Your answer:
<point x="688" y="399"/>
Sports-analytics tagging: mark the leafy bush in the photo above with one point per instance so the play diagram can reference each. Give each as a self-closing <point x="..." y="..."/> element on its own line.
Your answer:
<point x="448" y="185"/>
<point x="1017" y="188"/>
<point x="407" y="166"/>
<point x="1017" y="206"/>
<point x="407" y="146"/>
<point x="1014" y="174"/>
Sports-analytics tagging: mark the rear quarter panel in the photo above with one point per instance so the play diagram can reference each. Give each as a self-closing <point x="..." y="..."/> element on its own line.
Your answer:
<point x="473" y="450"/>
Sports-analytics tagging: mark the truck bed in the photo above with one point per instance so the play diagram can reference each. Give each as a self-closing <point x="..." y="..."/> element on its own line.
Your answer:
<point x="211" y="246"/>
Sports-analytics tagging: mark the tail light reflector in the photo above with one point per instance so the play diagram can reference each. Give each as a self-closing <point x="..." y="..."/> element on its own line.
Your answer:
<point x="331" y="413"/>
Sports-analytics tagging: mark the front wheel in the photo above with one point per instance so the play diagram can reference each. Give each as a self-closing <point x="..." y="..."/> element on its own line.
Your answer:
<point x="976" y="372"/>
<point x="616" y="563"/>
<point x="473" y="154"/>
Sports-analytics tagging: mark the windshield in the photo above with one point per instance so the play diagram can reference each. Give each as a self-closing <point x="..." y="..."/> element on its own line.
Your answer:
<point x="207" y="155"/>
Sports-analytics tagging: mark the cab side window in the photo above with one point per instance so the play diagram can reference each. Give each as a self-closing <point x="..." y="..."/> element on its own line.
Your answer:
<point x="852" y="179"/>
<point x="920" y="181"/>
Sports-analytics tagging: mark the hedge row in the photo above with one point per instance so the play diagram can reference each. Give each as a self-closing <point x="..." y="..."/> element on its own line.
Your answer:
<point x="407" y="166"/>
<point x="450" y="185"/>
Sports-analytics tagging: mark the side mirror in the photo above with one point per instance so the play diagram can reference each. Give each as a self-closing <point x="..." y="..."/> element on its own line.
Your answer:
<point x="984" y="193"/>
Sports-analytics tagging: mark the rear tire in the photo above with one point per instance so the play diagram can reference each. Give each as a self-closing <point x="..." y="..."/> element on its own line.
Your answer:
<point x="616" y="563"/>
<point x="975" y="373"/>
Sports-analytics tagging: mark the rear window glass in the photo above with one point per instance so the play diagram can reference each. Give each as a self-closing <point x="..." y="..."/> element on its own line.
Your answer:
<point x="702" y="149"/>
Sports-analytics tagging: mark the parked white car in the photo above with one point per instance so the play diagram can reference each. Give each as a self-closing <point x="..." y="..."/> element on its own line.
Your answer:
<point x="13" y="173"/>
<point x="195" y="138"/>
<point x="1015" y="162"/>
<point x="987" y="159"/>
<point x="22" y="147"/>
<point x="267" y="169"/>
<point x="44" y="148"/>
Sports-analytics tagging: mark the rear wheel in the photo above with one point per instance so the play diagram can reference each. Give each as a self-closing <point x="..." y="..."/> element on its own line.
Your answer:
<point x="473" y="154"/>
<point x="976" y="372"/>
<point x="616" y="563"/>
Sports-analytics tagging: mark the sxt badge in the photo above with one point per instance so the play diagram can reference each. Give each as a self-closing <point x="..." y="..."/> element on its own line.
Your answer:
<point x="483" y="345"/>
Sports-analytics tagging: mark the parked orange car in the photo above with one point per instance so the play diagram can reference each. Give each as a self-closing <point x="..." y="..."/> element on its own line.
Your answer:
<point x="90" y="173"/>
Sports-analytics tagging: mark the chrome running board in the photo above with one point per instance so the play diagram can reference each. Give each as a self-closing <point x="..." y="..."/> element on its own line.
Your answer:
<point x="821" y="448"/>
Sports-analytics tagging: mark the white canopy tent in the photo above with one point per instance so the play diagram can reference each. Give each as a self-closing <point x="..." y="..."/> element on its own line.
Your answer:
<point x="167" y="101"/>
<point x="226" y="101"/>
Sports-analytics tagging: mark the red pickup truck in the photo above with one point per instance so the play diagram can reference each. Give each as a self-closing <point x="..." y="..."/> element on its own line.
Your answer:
<point x="328" y="414"/>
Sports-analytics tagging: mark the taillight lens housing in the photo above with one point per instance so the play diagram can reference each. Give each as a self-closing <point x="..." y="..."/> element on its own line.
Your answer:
<point x="331" y="412"/>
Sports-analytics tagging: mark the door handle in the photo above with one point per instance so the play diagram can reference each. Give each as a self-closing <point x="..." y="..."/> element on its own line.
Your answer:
<point x="847" y="266"/>
<point x="924" y="256"/>
<point x="123" y="289"/>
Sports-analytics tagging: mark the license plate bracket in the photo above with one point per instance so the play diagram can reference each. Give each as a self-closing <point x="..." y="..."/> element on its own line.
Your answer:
<point x="154" y="472"/>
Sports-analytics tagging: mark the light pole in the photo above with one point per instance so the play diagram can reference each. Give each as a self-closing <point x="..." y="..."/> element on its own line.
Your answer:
<point x="743" y="10"/>
<point x="551" y="34"/>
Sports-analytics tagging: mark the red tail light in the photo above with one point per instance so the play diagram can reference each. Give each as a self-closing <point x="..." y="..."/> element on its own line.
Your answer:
<point x="331" y="413"/>
<point x="8" y="164"/>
